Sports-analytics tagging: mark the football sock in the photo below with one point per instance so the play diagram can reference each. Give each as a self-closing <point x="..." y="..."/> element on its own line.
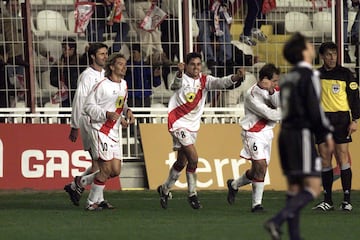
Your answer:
<point x="327" y="181"/>
<point x="191" y="181"/>
<point x="88" y="179"/>
<point x="293" y="222"/>
<point x="346" y="177"/>
<point x="241" y="181"/>
<point x="96" y="191"/>
<point x="87" y="171"/>
<point x="257" y="192"/>
<point x="170" y="181"/>
<point x="293" y="206"/>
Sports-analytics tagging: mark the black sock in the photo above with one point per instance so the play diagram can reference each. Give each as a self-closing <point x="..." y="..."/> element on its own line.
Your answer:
<point x="327" y="181"/>
<point x="346" y="177"/>
<point x="293" y="207"/>
<point x="293" y="222"/>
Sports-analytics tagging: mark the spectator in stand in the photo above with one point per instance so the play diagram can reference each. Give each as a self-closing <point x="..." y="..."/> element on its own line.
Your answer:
<point x="12" y="30"/>
<point x="354" y="37"/>
<point x="151" y="47"/>
<point x="140" y="79"/>
<point x="64" y="74"/>
<point x="170" y="35"/>
<point x="99" y="24"/>
<point x="169" y="29"/>
<point x="213" y="21"/>
<point x="252" y="27"/>
<point x="4" y="84"/>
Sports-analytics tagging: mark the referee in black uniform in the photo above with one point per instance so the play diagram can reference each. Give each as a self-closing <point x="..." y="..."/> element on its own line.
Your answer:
<point x="302" y="118"/>
<point x="341" y="104"/>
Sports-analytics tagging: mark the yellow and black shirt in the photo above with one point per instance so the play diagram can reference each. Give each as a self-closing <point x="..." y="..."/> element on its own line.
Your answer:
<point x="340" y="91"/>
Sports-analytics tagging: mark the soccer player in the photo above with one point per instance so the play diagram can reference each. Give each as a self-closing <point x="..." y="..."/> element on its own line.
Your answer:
<point x="302" y="116"/>
<point x="88" y="78"/>
<point x="262" y="111"/>
<point x="184" y="114"/>
<point x="107" y="108"/>
<point x="340" y="101"/>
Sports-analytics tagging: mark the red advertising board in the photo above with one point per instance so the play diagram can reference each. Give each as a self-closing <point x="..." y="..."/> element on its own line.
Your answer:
<point x="41" y="157"/>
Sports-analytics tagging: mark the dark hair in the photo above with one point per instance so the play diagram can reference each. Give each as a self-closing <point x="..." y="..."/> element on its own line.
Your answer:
<point x="294" y="47"/>
<point x="93" y="48"/>
<point x="111" y="61"/>
<point x="268" y="70"/>
<point x="192" y="55"/>
<point x="69" y="42"/>
<point x="327" y="45"/>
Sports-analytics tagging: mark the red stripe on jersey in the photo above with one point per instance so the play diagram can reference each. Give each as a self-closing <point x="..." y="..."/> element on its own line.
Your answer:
<point x="109" y="124"/>
<point x="258" y="125"/>
<point x="184" y="109"/>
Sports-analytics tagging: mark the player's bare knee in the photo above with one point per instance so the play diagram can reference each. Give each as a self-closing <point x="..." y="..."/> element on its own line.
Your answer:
<point x="258" y="169"/>
<point x="192" y="165"/>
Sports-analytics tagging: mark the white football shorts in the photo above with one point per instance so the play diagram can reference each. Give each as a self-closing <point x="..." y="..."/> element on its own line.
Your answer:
<point x="183" y="137"/>
<point x="257" y="145"/>
<point x="103" y="147"/>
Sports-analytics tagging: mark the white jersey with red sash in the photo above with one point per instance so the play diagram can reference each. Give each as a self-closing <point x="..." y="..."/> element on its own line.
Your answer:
<point x="261" y="109"/>
<point x="186" y="106"/>
<point x="107" y="96"/>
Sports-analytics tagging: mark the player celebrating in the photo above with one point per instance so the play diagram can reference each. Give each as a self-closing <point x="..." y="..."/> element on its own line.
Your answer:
<point x="184" y="113"/>
<point x="107" y="108"/>
<point x="88" y="78"/>
<point x="261" y="114"/>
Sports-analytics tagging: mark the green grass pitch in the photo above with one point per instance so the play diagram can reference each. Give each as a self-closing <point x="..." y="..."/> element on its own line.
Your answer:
<point x="31" y="215"/>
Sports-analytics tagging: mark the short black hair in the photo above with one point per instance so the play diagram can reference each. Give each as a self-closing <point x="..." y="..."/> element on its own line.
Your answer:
<point x="294" y="47"/>
<point x="93" y="48"/>
<point x="192" y="55"/>
<point x="327" y="45"/>
<point x="268" y="70"/>
<point x="69" y="41"/>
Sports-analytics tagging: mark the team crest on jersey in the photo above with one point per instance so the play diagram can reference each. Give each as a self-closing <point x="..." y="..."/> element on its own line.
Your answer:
<point x="190" y="97"/>
<point x="120" y="102"/>
<point x="353" y="86"/>
<point x="335" y="88"/>
<point x="190" y="92"/>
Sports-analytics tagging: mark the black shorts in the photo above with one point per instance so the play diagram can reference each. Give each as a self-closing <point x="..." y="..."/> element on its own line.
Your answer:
<point x="298" y="153"/>
<point x="340" y="121"/>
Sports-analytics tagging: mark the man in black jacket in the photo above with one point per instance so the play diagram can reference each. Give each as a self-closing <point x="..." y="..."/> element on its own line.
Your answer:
<point x="302" y="116"/>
